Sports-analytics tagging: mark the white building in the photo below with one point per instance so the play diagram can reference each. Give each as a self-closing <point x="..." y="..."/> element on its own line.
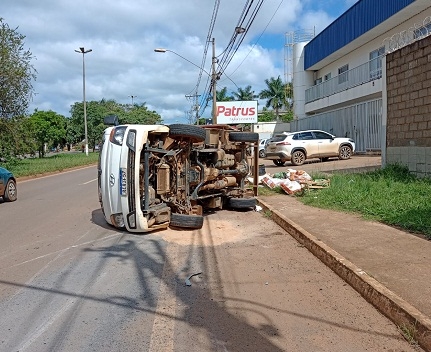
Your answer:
<point x="337" y="76"/>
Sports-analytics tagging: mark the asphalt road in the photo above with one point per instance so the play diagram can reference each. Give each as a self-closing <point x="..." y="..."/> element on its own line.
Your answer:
<point x="69" y="282"/>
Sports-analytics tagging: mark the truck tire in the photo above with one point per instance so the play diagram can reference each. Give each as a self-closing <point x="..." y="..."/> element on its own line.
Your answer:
<point x="195" y="133"/>
<point x="243" y="136"/>
<point x="187" y="221"/>
<point x="242" y="203"/>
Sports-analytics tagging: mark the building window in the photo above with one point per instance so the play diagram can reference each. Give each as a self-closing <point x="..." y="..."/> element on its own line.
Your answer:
<point x="318" y="81"/>
<point x="343" y="74"/>
<point x="328" y="76"/>
<point x="376" y="63"/>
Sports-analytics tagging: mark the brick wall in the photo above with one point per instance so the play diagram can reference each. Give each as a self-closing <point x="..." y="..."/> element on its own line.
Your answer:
<point x="408" y="134"/>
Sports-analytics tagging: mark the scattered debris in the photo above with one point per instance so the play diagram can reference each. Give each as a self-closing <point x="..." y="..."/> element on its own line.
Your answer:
<point x="257" y="208"/>
<point x="294" y="182"/>
<point x="188" y="282"/>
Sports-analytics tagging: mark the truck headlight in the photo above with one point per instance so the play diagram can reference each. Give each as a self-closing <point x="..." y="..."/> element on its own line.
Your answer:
<point x="117" y="135"/>
<point x="117" y="220"/>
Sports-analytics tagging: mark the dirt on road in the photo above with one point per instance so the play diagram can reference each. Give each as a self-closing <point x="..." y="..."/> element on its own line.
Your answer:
<point x="260" y="290"/>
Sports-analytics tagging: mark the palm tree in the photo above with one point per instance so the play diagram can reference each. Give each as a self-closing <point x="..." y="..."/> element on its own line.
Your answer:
<point x="275" y="95"/>
<point x="221" y="95"/>
<point x="244" y="94"/>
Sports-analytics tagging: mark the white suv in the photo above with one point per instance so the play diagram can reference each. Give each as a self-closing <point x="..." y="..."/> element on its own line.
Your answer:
<point x="298" y="146"/>
<point x="154" y="176"/>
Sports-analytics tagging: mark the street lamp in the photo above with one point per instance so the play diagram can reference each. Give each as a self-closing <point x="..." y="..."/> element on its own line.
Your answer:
<point x="133" y="96"/>
<point x="83" y="52"/>
<point x="213" y="75"/>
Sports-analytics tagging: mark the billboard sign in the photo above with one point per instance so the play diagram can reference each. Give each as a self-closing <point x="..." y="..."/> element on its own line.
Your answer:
<point x="235" y="112"/>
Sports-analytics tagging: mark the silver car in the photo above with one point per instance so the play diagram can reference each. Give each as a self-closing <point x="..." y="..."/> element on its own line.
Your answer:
<point x="299" y="146"/>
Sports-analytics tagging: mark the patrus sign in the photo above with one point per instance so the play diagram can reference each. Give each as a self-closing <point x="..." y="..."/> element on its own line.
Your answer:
<point x="235" y="112"/>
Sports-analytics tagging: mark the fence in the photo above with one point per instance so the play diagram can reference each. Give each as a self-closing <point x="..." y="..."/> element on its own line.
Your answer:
<point x="361" y="122"/>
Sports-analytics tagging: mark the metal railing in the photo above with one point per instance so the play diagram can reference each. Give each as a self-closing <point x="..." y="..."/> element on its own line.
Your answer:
<point x="364" y="73"/>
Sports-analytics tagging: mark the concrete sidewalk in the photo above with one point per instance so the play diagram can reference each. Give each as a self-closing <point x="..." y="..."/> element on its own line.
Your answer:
<point x="388" y="267"/>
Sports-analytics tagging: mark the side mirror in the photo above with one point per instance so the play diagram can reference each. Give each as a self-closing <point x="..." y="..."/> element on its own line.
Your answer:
<point x="111" y="120"/>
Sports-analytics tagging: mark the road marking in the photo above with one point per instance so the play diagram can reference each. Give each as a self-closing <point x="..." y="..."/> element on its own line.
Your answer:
<point x="162" y="334"/>
<point x="45" y="326"/>
<point x="64" y="249"/>
<point x="86" y="183"/>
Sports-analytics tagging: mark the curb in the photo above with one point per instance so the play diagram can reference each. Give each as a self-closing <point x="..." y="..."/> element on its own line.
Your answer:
<point x="388" y="303"/>
<point x="51" y="173"/>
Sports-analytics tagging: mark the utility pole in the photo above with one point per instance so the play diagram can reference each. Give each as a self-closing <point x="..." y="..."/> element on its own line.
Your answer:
<point x="214" y="80"/>
<point x="196" y="105"/>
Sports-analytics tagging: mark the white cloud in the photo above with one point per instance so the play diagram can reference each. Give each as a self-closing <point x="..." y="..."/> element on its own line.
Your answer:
<point x="123" y="35"/>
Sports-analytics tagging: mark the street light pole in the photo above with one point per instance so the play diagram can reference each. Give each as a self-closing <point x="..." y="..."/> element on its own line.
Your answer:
<point x="83" y="52"/>
<point x="133" y="96"/>
<point x="214" y="80"/>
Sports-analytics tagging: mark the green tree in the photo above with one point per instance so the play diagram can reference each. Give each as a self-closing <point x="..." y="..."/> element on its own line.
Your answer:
<point x="96" y="112"/>
<point x="15" y="139"/>
<point x="221" y="95"/>
<point x="275" y="93"/>
<point x="266" y="115"/>
<point x="289" y="95"/>
<point x="139" y="114"/>
<point x="47" y="127"/>
<point x="16" y="73"/>
<point x="288" y="116"/>
<point x="244" y="94"/>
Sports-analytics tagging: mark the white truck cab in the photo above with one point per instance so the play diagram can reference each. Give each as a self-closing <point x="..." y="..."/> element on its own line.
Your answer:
<point x="154" y="176"/>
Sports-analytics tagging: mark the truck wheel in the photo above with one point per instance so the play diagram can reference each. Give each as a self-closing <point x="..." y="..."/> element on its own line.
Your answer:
<point x="197" y="134"/>
<point x="243" y="136"/>
<point x="242" y="203"/>
<point x="187" y="221"/>
<point x="10" y="193"/>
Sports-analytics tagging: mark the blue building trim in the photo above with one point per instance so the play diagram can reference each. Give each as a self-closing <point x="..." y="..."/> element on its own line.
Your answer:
<point x="359" y="19"/>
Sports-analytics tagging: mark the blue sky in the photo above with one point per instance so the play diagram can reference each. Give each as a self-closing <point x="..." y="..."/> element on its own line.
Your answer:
<point x="124" y="33"/>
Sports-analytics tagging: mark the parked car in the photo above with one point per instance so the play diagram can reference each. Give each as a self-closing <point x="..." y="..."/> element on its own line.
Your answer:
<point x="154" y="176"/>
<point x="262" y="144"/>
<point x="299" y="146"/>
<point x="8" y="189"/>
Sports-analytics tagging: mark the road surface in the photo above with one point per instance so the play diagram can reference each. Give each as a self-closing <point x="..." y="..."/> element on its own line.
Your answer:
<point x="69" y="282"/>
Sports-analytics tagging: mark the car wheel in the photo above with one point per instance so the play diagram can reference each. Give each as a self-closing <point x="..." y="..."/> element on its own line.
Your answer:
<point x="197" y="134"/>
<point x="242" y="203"/>
<point x="10" y="193"/>
<point x="298" y="157"/>
<point x="262" y="153"/>
<point x="243" y="136"/>
<point x="278" y="162"/>
<point x="345" y="152"/>
<point x="187" y="221"/>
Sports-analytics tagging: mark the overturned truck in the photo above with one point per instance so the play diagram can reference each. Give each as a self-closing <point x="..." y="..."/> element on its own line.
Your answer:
<point x="154" y="176"/>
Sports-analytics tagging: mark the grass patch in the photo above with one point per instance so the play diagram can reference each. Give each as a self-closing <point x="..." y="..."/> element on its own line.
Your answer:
<point x="56" y="162"/>
<point x="410" y="333"/>
<point x="391" y="195"/>
<point x="266" y="191"/>
<point x="267" y="214"/>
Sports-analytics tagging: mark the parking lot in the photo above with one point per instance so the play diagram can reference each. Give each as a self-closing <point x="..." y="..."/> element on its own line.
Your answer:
<point x="356" y="163"/>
